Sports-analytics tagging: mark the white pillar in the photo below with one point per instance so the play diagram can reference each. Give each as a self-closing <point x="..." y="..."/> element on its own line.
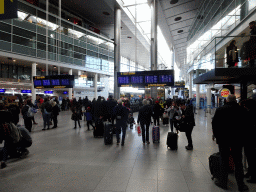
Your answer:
<point x="79" y="73"/>
<point x="95" y="85"/>
<point x="190" y="84"/>
<point x="58" y="70"/>
<point x="70" y="89"/>
<point x="197" y="96"/>
<point x="33" y="90"/>
<point x="209" y="99"/>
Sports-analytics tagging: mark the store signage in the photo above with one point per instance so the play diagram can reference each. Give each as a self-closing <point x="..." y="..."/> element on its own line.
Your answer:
<point x="83" y="76"/>
<point x="48" y="92"/>
<point x="225" y="92"/>
<point x="65" y="92"/>
<point x="2" y="90"/>
<point x="25" y="91"/>
<point x="8" y="9"/>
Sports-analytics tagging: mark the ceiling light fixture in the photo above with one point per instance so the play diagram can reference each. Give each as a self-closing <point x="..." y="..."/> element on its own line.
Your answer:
<point x="174" y="1"/>
<point x="177" y="18"/>
<point x="180" y="31"/>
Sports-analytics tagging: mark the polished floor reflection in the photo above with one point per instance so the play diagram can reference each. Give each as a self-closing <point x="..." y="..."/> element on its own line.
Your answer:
<point x="65" y="159"/>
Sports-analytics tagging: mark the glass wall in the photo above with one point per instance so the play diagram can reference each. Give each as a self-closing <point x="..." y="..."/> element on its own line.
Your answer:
<point x="215" y="19"/>
<point x="67" y="43"/>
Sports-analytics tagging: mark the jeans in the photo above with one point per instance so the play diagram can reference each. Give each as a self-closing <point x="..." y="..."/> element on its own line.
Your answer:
<point x="189" y="136"/>
<point x="143" y="129"/>
<point x="55" y="120"/>
<point x="120" y="125"/>
<point x="46" y="118"/>
<point x="236" y="152"/>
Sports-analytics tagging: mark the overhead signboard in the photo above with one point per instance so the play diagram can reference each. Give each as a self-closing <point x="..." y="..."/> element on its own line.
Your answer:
<point x="179" y="84"/>
<point x="8" y="9"/>
<point x="48" y="92"/>
<point x="25" y="91"/>
<point x="2" y="90"/>
<point x="55" y="81"/>
<point x="145" y="78"/>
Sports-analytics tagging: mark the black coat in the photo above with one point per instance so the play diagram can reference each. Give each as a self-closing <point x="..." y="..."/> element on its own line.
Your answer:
<point x="229" y="124"/>
<point x="145" y="114"/>
<point x="111" y="103"/>
<point x="157" y="109"/>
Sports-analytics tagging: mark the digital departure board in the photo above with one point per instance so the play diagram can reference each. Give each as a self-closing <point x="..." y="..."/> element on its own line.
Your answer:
<point x="55" y="81"/>
<point x="145" y="78"/>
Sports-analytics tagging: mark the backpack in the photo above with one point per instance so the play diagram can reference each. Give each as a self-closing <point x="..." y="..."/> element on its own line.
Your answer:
<point x="48" y="107"/>
<point x="12" y="132"/>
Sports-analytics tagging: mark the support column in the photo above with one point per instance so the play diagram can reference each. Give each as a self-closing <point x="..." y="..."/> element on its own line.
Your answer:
<point x="33" y="90"/>
<point x="190" y="85"/>
<point x="197" y="92"/>
<point x="95" y="85"/>
<point x="209" y="99"/>
<point x="153" y="47"/>
<point x="79" y="73"/>
<point x="58" y="70"/>
<point x="70" y="89"/>
<point x="47" y="35"/>
<point x="243" y="87"/>
<point x="173" y="59"/>
<point x="117" y="60"/>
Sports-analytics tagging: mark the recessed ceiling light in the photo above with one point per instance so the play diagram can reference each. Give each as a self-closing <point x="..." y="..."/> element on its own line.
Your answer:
<point x="174" y="1"/>
<point x="106" y="13"/>
<point x="177" y="18"/>
<point x="180" y="31"/>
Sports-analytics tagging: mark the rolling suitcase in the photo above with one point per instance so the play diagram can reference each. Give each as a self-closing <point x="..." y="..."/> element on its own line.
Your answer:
<point x="98" y="130"/>
<point x="156" y="134"/>
<point x="108" y="134"/>
<point x="172" y="140"/>
<point x="214" y="164"/>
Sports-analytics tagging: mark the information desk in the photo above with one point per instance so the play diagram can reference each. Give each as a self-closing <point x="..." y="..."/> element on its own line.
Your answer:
<point x="55" y="81"/>
<point x="145" y="78"/>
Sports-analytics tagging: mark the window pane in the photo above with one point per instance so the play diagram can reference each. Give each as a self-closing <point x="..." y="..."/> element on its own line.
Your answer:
<point x="5" y="27"/>
<point x="5" y="36"/>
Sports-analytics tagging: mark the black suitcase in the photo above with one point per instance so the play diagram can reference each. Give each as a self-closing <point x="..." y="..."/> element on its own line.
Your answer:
<point x="214" y="164"/>
<point x="108" y="134"/>
<point x="172" y="140"/>
<point x="98" y="129"/>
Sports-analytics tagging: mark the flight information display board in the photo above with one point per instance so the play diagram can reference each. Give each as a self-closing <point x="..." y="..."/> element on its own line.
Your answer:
<point x="55" y="81"/>
<point x="145" y="78"/>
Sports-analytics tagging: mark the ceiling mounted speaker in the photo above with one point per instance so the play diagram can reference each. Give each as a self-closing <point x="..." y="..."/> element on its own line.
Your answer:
<point x="174" y="1"/>
<point x="177" y="18"/>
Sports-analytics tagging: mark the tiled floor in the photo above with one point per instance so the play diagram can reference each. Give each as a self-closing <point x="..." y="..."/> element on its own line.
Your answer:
<point x="65" y="159"/>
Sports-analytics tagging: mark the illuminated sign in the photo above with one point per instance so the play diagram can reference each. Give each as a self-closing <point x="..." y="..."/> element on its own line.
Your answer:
<point x="65" y="92"/>
<point x="145" y="78"/>
<point x="2" y="90"/>
<point x="225" y="92"/>
<point x="48" y="92"/>
<point x="55" y="81"/>
<point x="25" y="91"/>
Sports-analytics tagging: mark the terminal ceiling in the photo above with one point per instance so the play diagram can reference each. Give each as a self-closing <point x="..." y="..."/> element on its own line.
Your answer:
<point x="168" y="13"/>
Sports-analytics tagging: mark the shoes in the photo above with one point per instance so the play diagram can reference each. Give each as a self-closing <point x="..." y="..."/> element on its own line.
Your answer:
<point x="189" y="148"/>
<point x="35" y="123"/>
<point x="43" y="129"/>
<point x="243" y="188"/>
<point x="148" y="142"/>
<point x="122" y="144"/>
<point x="247" y="175"/>
<point x="117" y="143"/>
<point x="251" y="180"/>
<point x="48" y="128"/>
<point x="3" y="165"/>
<point x="54" y="127"/>
<point x="74" y="128"/>
<point x="219" y="184"/>
<point x="143" y="143"/>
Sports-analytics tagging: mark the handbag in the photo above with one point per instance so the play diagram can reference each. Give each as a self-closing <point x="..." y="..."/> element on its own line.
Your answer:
<point x="139" y="130"/>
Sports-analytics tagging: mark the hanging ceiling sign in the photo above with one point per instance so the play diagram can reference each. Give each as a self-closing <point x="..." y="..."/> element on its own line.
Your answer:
<point x="54" y="81"/>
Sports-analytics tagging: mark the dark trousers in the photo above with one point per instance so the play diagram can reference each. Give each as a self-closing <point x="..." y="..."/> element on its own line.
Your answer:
<point x="8" y="145"/>
<point x="250" y="151"/>
<point x="156" y="119"/>
<point x="89" y="123"/>
<point x="171" y="124"/>
<point x="145" y="128"/>
<point x="28" y="123"/>
<point x="120" y="125"/>
<point x="55" y="120"/>
<point x="189" y="136"/>
<point x="78" y="123"/>
<point x="236" y="152"/>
